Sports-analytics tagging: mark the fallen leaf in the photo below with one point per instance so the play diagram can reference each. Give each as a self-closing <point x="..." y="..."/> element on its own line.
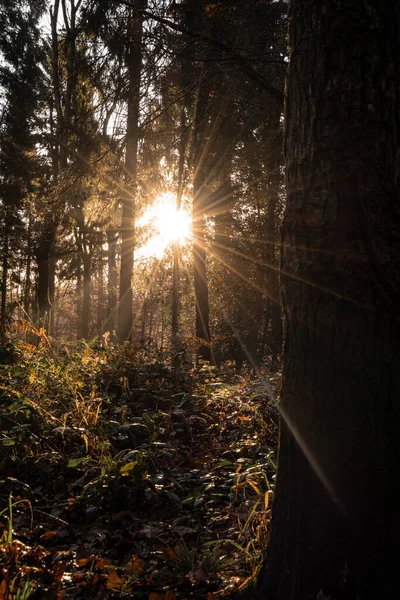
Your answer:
<point x="58" y="572"/>
<point x="128" y="467"/>
<point x="135" y="564"/>
<point x="75" y="462"/>
<point x="102" y="562"/>
<point x="114" y="581"/>
<point x="48" y="536"/>
<point x="4" y="590"/>
<point x="82" y="562"/>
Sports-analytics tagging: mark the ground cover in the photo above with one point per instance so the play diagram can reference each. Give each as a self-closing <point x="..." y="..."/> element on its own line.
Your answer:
<point x="122" y="477"/>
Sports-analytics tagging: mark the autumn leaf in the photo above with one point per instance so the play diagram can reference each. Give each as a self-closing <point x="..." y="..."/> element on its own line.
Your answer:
<point x="135" y="564"/>
<point x="114" y="581"/>
<point x="58" y="572"/>
<point x="102" y="562"/>
<point x="4" y="590"/>
<point x="82" y="562"/>
<point x="48" y="536"/>
<point x="128" y="467"/>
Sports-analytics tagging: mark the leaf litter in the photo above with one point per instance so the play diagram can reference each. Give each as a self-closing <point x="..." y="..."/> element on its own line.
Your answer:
<point x="127" y="478"/>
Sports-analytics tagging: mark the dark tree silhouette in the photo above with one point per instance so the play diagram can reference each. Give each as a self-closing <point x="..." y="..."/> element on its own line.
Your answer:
<point x="337" y="496"/>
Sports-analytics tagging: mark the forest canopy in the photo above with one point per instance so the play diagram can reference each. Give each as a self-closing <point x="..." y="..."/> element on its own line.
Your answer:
<point x="141" y="193"/>
<point x="142" y="174"/>
<point x="164" y="194"/>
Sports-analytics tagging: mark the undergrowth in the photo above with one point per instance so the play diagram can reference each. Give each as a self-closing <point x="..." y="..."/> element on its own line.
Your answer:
<point x="125" y="477"/>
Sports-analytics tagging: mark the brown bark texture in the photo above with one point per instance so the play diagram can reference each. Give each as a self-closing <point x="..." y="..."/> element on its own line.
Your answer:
<point x="335" y="517"/>
<point x="125" y="308"/>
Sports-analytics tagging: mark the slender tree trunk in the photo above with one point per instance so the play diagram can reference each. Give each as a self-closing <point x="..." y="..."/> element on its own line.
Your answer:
<point x="52" y="287"/>
<point x="86" y="290"/>
<point x="111" y="280"/>
<point x="274" y="330"/>
<point x="200" y="197"/>
<point x="62" y="106"/>
<point x="27" y="286"/>
<point x="125" y="308"/>
<point x="151" y="313"/>
<point x="79" y="295"/>
<point x="176" y="247"/>
<point x="334" y="529"/>
<point x="100" y="295"/>
<point x="143" y="323"/>
<point x="45" y="275"/>
<point x="4" y="277"/>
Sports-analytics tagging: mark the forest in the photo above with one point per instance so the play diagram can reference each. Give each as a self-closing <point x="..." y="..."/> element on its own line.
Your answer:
<point x="200" y="297"/>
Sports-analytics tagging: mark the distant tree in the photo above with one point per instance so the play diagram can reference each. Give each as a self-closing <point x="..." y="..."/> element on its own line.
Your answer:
<point x="134" y="57"/>
<point x="21" y="86"/>
<point x="335" y="515"/>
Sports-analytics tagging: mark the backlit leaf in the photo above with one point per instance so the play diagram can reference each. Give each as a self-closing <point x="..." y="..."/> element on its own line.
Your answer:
<point x="128" y="467"/>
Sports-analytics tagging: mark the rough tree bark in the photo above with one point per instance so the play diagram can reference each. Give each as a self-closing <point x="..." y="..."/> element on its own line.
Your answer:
<point x="334" y="529"/>
<point x="125" y="308"/>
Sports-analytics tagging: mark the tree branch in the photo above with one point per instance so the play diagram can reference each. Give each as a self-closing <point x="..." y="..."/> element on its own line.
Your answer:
<point x="241" y="60"/>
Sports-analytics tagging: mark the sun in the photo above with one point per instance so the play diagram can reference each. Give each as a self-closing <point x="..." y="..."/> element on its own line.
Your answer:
<point x="168" y="225"/>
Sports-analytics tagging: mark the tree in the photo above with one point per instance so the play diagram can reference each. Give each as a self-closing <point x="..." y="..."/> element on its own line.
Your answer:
<point x="134" y="65"/>
<point x="21" y="88"/>
<point x="337" y="495"/>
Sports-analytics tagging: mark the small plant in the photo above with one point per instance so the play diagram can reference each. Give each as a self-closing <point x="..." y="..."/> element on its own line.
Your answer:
<point x="22" y="592"/>
<point x="11" y="505"/>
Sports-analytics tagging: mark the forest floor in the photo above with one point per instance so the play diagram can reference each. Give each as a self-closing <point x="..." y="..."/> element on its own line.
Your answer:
<point x="120" y="477"/>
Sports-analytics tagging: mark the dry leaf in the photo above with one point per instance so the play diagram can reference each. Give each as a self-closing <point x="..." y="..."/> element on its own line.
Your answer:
<point x="102" y="562"/>
<point x="82" y="562"/>
<point x="48" y="536"/>
<point x="4" y="590"/>
<point x="114" y="581"/>
<point x="135" y="564"/>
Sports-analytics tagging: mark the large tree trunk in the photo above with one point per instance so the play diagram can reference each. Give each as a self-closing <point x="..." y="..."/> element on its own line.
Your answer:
<point x="125" y="308"/>
<point x="334" y="529"/>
